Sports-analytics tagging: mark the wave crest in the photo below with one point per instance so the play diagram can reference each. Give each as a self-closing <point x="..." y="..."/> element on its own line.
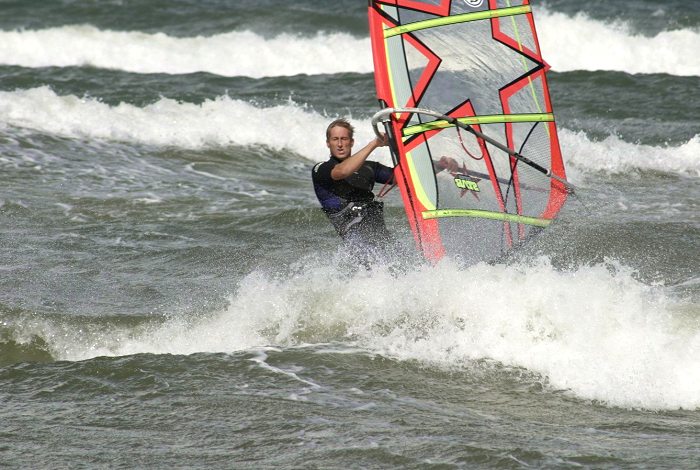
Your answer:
<point x="569" y="43"/>
<point x="227" y="121"/>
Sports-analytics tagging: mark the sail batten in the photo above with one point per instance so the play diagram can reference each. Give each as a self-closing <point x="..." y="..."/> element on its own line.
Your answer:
<point x="471" y="120"/>
<point x="454" y="19"/>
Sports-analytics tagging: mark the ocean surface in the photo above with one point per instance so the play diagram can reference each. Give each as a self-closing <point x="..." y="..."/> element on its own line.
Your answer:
<point x="171" y="296"/>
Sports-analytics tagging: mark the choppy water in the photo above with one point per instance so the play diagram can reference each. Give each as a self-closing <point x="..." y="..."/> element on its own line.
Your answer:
<point x="171" y="295"/>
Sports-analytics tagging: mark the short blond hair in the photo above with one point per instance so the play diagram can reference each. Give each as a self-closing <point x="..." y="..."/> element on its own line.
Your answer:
<point x="342" y="122"/>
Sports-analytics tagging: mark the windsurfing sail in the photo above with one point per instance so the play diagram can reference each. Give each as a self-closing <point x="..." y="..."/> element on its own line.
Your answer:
<point x="470" y="123"/>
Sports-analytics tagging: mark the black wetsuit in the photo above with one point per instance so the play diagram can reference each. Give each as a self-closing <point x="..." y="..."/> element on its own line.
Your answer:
<point x="350" y="204"/>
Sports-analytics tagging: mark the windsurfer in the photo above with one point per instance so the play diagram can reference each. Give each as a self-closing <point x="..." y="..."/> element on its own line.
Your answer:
<point x="344" y="183"/>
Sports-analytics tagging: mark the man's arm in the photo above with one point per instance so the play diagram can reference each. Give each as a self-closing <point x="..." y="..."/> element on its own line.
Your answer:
<point x="353" y="163"/>
<point x="446" y="163"/>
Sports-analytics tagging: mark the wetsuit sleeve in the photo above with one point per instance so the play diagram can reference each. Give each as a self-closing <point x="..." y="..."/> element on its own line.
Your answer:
<point x="322" y="173"/>
<point x="383" y="173"/>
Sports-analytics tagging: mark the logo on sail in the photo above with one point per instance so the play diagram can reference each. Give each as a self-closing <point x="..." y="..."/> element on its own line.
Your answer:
<point x="465" y="182"/>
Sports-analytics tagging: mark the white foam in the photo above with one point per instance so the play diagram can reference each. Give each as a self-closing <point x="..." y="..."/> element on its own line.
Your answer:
<point x="568" y="42"/>
<point x="237" y="53"/>
<point x="228" y="121"/>
<point x="219" y="122"/>
<point x="581" y="43"/>
<point x="614" y="156"/>
<point x="594" y="331"/>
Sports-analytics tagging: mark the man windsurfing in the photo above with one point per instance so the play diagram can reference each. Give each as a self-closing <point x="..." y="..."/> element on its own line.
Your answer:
<point x="344" y="184"/>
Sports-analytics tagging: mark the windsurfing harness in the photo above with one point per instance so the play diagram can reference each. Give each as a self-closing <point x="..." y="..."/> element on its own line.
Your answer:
<point x="349" y="203"/>
<point x="478" y="63"/>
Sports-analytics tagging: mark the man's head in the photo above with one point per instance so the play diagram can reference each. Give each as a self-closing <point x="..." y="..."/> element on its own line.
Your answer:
<point x="339" y="138"/>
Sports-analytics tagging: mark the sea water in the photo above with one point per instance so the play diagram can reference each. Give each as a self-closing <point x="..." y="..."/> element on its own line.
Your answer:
<point x="172" y="296"/>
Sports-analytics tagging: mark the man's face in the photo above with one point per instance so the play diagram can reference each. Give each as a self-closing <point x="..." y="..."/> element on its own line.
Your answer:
<point x="340" y="142"/>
